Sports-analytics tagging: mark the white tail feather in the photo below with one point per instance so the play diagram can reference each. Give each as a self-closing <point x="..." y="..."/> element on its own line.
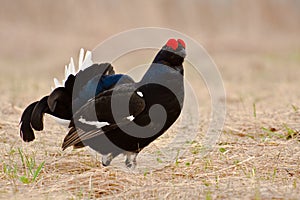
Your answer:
<point x="87" y="61"/>
<point x="57" y="83"/>
<point x="66" y="72"/>
<point x="63" y="122"/>
<point x="81" y="56"/>
<point x="84" y="62"/>
<point x="72" y="66"/>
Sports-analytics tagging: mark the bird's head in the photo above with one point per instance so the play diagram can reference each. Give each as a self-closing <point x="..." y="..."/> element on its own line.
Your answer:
<point x="172" y="53"/>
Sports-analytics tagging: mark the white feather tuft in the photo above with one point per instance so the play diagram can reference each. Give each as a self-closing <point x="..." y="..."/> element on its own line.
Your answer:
<point x="85" y="60"/>
<point x="93" y="123"/>
<point x="57" y="83"/>
<point x="130" y="118"/>
<point x="72" y="66"/>
<point x="140" y="93"/>
<point x="66" y="72"/>
<point x="81" y="55"/>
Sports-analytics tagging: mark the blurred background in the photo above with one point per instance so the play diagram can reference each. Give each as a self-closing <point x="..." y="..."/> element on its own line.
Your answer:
<point x="243" y="37"/>
<point x="254" y="43"/>
<point x="36" y="30"/>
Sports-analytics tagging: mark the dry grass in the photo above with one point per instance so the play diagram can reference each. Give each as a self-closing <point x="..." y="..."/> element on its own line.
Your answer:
<point x="257" y="52"/>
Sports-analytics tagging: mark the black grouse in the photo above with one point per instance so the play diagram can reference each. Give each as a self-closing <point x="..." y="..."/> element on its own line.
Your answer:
<point x="110" y="112"/>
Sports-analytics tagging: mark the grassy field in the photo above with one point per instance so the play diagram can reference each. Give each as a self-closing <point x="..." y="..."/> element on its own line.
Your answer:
<point x="256" y="47"/>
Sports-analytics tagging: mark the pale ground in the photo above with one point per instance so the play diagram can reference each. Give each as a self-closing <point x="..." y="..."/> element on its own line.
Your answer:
<point x="256" y="157"/>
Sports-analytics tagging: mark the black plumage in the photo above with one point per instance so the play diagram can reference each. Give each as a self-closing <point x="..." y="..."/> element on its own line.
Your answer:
<point x="161" y="85"/>
<point x="122" y="116"/>
<point x="59" y="102"/>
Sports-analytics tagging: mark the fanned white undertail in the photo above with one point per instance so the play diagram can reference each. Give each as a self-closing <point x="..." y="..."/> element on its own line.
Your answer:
<point x="85" y="60"/>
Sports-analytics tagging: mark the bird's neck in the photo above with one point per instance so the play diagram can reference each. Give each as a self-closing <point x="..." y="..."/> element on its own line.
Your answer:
<point x="162" y="71"/>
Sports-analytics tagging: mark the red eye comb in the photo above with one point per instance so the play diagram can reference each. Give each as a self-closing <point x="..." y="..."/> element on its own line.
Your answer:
<point x="180" y="41"/>
<point x="172" y="43"/>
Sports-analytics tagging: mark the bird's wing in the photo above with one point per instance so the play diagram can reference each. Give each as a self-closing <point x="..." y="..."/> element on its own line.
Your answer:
<point x="79" y="81"/>
<point x="85" y="126"/>
<point x="94" y="71"/>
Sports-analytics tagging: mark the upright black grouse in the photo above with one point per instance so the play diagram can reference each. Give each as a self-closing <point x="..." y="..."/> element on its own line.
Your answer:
<point x="110" y="112"/>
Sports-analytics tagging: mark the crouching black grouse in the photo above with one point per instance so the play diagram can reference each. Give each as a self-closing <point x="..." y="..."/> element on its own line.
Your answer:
<point x="110" y="112"/>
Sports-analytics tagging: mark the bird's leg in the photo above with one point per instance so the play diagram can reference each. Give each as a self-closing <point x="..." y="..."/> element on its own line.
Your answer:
<point x="130" y="161"/>
<point x="134" y="159"/>
<point x="106" y="159"/>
